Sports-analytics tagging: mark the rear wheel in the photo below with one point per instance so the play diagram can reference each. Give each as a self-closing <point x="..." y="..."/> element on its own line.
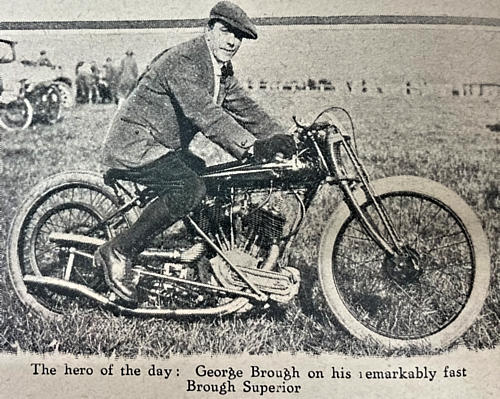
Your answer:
<point x="74" y="202"/>
<point x="431" y="292"/>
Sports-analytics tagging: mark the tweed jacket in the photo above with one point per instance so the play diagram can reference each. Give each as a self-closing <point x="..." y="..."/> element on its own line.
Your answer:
<point x="173" y="100"/>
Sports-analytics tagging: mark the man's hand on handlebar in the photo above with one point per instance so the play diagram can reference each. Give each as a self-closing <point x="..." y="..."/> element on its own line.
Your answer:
<point x="267" y="149"/>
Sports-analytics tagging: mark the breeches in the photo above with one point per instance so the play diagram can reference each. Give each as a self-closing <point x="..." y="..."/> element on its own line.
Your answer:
<point x="173" y="179"/>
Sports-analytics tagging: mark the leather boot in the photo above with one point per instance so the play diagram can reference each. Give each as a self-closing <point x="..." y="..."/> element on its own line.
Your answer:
<point x="117" y="271"/>
<point x="115" y="256"/>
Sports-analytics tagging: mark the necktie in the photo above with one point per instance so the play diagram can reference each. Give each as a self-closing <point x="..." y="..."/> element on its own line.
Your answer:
<point x="224" y="73"/>
<point x="224" y="70"/>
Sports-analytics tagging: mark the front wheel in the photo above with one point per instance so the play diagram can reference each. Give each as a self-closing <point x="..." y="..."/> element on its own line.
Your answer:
<point x="430" y="293"/>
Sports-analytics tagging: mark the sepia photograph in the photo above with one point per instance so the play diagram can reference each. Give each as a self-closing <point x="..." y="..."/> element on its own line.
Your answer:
<point x="250" y="199"/>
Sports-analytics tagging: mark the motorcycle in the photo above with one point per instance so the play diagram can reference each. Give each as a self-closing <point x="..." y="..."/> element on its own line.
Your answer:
<point x="403" y="261"/>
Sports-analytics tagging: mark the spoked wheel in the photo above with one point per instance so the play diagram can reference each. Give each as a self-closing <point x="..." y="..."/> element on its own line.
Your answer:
<point x="17" y="115"/>
<point x="66" y="203"/>
<point x="428" y="294"/>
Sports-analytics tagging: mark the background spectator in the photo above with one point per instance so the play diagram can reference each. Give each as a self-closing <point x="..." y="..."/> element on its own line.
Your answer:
<point x="85" y="82"/>
<point x="43" y="60"/>
<point x="109" y="76"/>
<point x="128" y="75"/>
<point x="94" y="88"/>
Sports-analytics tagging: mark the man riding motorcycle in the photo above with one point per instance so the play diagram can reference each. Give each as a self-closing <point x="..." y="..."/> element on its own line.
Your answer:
<point x="186" y="89"/>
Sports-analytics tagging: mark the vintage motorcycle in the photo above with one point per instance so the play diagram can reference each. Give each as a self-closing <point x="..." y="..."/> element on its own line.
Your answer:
<point x="403" y="261"/>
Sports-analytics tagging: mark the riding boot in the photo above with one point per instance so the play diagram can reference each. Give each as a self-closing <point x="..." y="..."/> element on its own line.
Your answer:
<point x="115" y="256"/>
<point x="155" y="217"/>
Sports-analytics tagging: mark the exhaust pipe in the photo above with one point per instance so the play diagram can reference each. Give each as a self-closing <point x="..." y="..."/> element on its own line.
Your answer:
<point x="72" y="289"/>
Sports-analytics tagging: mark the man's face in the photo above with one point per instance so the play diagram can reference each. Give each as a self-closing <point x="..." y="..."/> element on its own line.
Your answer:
<point x="223" y="41"/>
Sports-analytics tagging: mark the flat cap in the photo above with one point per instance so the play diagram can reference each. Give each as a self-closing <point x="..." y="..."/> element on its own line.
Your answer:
<point x="233" y="15"/>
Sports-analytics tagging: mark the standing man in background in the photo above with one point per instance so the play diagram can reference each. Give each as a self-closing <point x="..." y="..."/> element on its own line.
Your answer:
<point x="84" y="82"/>
<point x="110" y="76"/>
<point x="127" y="75"/>
<point x="43" y="60"/>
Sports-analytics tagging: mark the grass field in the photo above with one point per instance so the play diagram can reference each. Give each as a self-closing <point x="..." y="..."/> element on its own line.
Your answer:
<point x="444" y="139"/>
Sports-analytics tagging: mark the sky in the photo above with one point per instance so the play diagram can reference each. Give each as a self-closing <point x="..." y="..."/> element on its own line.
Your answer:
<point x="95" y="10"/>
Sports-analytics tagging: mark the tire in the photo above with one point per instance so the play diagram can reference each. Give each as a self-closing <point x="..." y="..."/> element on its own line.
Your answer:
<point x="16" y="115"/>
<point x="69" y="202"/>
<point x="378" y="298"/>
<point x="67" y="96"/>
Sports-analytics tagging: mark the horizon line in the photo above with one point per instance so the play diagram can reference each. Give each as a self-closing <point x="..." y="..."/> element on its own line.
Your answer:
<point x="298" y="20"/>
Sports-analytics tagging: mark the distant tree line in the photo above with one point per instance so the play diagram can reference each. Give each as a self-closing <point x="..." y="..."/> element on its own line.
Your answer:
<point x="366" y="86"/>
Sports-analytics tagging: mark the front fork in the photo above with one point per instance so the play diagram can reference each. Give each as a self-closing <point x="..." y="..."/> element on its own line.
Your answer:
<point x="338" y="143"/>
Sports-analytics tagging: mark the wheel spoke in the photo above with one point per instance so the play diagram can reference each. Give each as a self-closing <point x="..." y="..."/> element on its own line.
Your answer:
<point x="415" y="243"/>
<point x="353" y="262"/>
<point x="53" y="224"/>
<point x="442" y="236"/>
<point x="359" y="238"/>
<point x="81" y="276"/>
<point x="450" y="266"/>
<point x="445" y="246"/>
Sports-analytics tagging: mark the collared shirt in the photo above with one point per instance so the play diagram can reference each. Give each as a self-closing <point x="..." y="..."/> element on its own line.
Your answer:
<point x="217" y="73"/>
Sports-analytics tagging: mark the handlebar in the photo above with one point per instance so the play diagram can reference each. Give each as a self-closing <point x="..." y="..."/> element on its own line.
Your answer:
<point x="313" y="126"/>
